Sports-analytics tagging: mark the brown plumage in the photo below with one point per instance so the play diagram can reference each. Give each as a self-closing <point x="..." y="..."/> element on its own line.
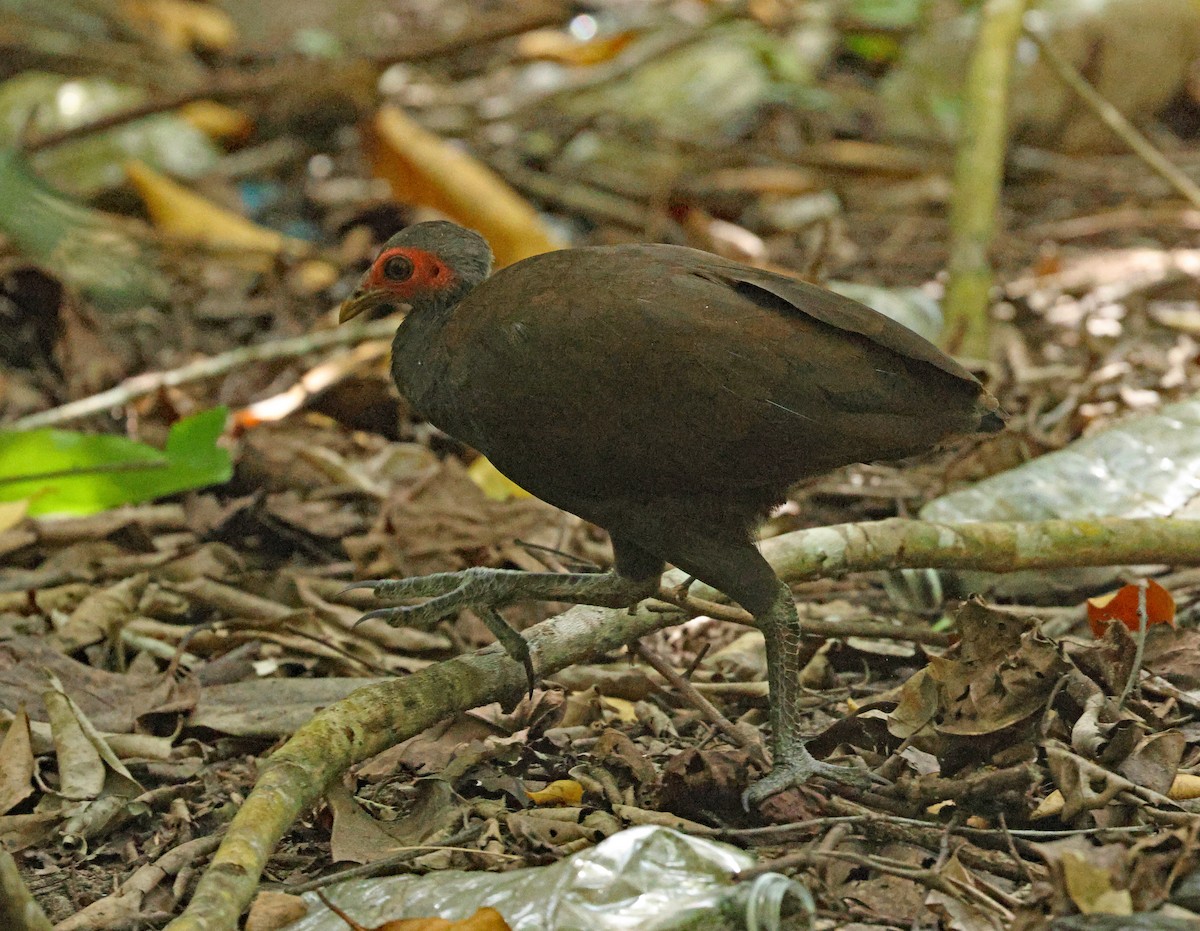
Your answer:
<point x="667" y="395"/>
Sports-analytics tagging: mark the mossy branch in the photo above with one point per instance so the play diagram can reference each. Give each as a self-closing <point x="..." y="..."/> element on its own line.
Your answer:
<point x="978" y="173"/>
<point x="379" y="716"/>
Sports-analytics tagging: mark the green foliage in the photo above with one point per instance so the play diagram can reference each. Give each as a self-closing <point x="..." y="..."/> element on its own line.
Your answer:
<point x="97" y="253"/>
<point x="894" y="14"/>
<point x="62" y="472"/>
<point x="883" y="14"/>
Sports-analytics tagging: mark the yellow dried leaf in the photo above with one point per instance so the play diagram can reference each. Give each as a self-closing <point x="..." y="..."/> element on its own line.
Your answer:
<point x="1090" y="887"/>
<point x="1184" y="787"/>
<point x="184" y="214"/>
<point x="494" y="483"/>
<point x="312" y="276"/>
<point x="423" y="169"/>
<point x="559" y="792"/>
<point x="486" y="919"/>
<point x="1048" y="807"/>
<point x="12" y="513"/>
<point x="562" y="47"/>
<point x="181" y="24"/>
<point x="621" y="707"/>
<point x="216" y="120"/>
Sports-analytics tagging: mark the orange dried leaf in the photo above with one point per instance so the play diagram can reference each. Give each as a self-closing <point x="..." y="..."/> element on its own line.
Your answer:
<point x="559" y="792"/>
<point x="1122" y="605"/>
<point x="486" y="919"/>
<point x="423" y="169"/>
<point x="564" y="48"/>
<point x="217" y="120"/>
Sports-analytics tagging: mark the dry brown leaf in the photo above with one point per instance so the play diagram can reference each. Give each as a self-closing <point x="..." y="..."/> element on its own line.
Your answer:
<point x="271" y="911"/>
<point x="102" y="614"/>
<point x="114" y="702"/>
<point x="80" y="770"/>
<point x="423" y="169"/>
<point x="79" y="747"/>
<point x="1090" y="887"/>
<point x="16" y="763"/>
<point x="20" y="831"/>
<point x="356" y="837"/>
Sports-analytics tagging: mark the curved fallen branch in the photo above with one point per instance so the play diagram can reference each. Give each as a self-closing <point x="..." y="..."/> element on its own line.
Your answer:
<point x="138" y="386"/>
<point x="379" y="716"/>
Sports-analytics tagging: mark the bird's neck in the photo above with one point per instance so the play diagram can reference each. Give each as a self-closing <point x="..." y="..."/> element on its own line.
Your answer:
<point x="420" y="357"/>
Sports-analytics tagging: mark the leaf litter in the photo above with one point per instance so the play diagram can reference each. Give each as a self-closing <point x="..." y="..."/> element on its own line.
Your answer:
<point x="151" y="654"/>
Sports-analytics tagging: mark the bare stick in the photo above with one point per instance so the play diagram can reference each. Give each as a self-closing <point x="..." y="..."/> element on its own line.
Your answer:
<point x="1112" y="118"/>
<point x="379" y="716"/>
<point x="149" y="382"/>
<point x="711" y="713"/>
<point x="1135" y="670"/>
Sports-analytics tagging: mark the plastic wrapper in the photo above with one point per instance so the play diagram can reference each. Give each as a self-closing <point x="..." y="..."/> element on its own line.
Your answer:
<point x="1146" y="465"/>
<point x="643" y="878"/>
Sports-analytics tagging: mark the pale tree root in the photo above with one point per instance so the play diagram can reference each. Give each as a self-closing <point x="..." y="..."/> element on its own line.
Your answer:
<point x="379" y="716"/>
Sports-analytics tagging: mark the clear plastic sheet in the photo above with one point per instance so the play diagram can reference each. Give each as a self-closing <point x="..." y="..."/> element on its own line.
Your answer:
<point x="1147" y="465"/>
<point x="644" y="878"/>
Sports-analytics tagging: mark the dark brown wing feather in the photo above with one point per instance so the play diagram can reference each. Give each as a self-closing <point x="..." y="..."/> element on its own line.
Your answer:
<point x="658" y="370"/>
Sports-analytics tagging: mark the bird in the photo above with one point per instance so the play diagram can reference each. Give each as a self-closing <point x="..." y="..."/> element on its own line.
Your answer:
<point x="667" y="395"/>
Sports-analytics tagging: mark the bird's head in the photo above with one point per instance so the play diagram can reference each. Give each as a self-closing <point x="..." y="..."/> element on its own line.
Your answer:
<point x="430" y="265"/>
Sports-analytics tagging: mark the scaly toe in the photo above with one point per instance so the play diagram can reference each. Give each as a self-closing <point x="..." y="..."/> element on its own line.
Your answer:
<point x="797" y="772"/>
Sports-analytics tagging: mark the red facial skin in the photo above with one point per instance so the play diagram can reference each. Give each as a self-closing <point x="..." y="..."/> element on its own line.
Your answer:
<point x="430" y="274"/>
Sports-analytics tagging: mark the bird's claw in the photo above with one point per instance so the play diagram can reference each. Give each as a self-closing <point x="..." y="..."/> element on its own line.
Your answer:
<point x="797" y="770"/>
<point x="449" y="592"/>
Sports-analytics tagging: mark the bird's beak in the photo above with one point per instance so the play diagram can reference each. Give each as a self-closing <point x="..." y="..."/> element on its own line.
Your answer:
<point x="361" y="301"/>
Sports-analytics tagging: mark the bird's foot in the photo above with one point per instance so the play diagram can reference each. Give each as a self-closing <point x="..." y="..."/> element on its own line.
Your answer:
<point x="485" y="590"/>
<point x="795" y="768"/>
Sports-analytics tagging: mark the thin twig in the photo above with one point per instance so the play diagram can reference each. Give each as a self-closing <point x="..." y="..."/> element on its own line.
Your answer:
<point x="149" y="382"/>
<point x="1135" y="670"/>
<point x="814" y="627"/>
<point x="651" y="48"/>
<point x="1114" y="120"/>
<point x="237" y="85"/>
<point x="375" y="867"/>
<point x="688" y="692"/>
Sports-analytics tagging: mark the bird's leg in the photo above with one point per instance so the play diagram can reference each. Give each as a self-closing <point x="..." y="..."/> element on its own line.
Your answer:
<point x="726" y="559"/>
<point x="792" y="765"/>
<point x="485" y="590"/>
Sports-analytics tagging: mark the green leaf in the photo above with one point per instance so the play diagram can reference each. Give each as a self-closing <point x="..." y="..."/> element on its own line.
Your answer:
<point x="108" y="258"/>
<point x="61" y="472"/>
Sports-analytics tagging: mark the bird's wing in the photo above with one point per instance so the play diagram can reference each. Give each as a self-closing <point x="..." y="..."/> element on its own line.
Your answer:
<point x="835" y="310"/>
<point x="653" y="368"/>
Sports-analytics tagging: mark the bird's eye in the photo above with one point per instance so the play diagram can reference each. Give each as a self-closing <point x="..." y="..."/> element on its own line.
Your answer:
<point x="398" y="268"/>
